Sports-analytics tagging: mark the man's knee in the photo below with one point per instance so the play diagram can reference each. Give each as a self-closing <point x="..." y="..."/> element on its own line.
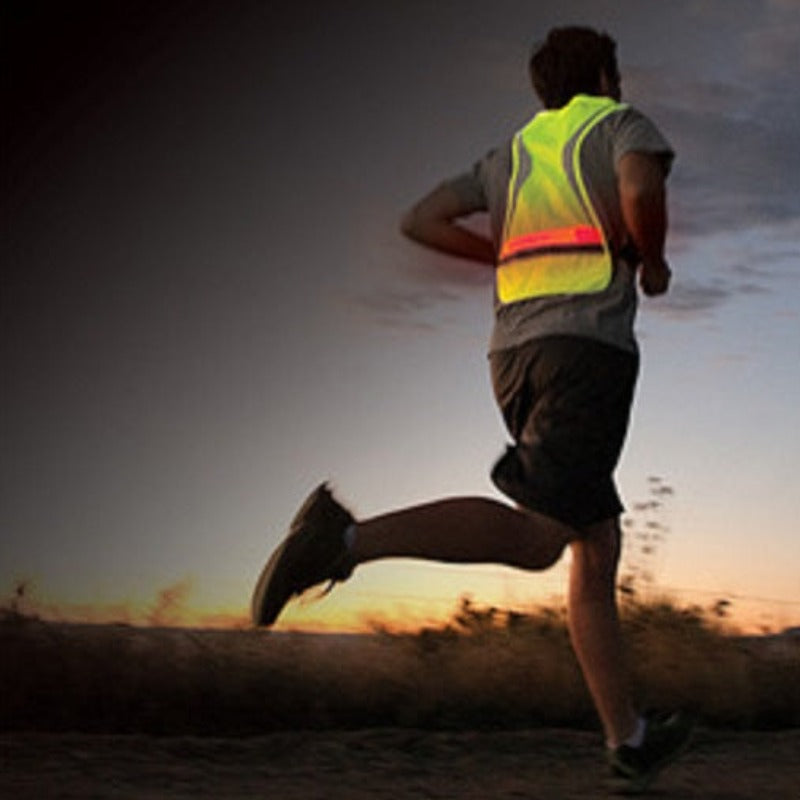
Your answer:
<point x="599" y="547"/>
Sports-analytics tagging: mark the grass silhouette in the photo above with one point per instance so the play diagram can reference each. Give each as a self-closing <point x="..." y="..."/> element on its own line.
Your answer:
<point x="485" y="668"/>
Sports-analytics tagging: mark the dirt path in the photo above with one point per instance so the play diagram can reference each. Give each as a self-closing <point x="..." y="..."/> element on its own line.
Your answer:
<point x="382" y="763"/>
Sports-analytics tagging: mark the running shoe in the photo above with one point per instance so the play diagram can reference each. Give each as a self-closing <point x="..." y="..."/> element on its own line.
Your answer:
<point x="665" y="738"/>
<point x="313" y="552"/>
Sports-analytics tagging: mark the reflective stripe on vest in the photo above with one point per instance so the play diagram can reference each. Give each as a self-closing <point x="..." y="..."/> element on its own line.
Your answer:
<point x="553" y="242"/>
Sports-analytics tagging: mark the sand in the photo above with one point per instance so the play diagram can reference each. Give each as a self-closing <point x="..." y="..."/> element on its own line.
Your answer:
<point x="544" y="764"/>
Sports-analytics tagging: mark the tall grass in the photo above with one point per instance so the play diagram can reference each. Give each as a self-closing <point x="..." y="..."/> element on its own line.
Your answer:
<point x="485" y="668"/>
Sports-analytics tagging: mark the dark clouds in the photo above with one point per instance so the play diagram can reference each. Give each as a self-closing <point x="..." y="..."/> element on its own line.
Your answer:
<point x="744" y="265"/>
<point x="726" y="91"/>
<point x="689" y="298"/>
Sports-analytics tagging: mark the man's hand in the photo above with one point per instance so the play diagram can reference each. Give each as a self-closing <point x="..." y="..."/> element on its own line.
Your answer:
<point x="654" y="277"/>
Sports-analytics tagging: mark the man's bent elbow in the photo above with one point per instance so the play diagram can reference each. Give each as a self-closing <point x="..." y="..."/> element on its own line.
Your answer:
<point x="418" y="227"/>
<point x="408" y="224"/>
<point x="415" y="225"/>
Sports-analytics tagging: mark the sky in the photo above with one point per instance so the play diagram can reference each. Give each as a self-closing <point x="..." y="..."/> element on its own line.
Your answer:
<point x="207" y="306"/>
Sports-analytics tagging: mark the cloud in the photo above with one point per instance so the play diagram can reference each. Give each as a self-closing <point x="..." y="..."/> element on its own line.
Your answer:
<point x="409" y="307"/>
<point x="749" y="263"/>
<point x="689" y="298"/>
<point x="426" y="293"/>
<point x="733" y="170"/>
<point x="398" y="284"/>
<point x="732" y="120"/>
<point x="751" y="289"/>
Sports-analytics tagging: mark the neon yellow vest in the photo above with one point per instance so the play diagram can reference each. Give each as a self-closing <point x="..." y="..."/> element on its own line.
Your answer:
<point x="553" y="242"/>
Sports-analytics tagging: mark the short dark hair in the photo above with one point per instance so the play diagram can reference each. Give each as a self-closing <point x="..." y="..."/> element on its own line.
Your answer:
<point x="570" y="62"/>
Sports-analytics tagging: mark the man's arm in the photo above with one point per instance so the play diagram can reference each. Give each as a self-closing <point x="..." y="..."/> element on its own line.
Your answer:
<point x="432" y="222"/>
<point x="644" y="210"/>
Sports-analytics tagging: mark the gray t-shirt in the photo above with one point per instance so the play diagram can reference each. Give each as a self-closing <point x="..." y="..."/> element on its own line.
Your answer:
<point x="606" y="316"/>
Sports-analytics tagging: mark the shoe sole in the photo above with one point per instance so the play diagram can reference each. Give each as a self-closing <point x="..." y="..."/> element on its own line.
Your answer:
<point x="266" y="604"/>
<point x="269" y="596"/>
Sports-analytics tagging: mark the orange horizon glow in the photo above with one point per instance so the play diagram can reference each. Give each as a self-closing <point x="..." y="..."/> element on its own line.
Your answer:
<point x="171" y="608"/>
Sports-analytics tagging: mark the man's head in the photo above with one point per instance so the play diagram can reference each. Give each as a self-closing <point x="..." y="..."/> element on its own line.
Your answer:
<point x="574" y="61"/>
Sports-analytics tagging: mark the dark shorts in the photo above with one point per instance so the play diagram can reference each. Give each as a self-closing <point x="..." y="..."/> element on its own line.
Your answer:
<point x="566" y="402"/>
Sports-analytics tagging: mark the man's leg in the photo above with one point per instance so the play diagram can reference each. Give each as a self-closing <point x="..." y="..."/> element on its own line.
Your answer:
<point x="595" y="630"/>
<point x="470" y="530"/>
<point x="463" y="530"/>
<point x="325" y="543"/>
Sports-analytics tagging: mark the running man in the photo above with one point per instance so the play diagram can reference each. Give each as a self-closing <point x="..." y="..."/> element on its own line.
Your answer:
<point x="577" y="212"/>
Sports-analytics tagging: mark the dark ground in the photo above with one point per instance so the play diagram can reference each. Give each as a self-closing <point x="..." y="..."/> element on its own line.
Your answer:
<point x="544" y="764"/>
